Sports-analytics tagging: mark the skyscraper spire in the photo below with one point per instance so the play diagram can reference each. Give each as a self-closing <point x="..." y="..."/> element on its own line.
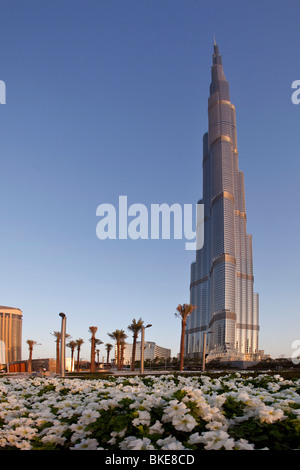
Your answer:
<point x="218" y="80"/>
<point x="217" y="59"/>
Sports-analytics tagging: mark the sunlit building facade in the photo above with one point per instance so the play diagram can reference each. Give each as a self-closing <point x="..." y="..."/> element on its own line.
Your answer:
<point x="222" y="279"/>
<point x="10" y="334"/>
<point x="151" y="351"/>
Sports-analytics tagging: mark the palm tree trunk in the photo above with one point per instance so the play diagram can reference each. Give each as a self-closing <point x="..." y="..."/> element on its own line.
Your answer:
<point x="57" y="357"/>
<point x="183" y="324"/>
<point x="30" y="360"/>
<point x="78" y="353"/>
<point x="133" y="353"/>
<point x="118" y="356"/>
<point x="92" y="368"/>
<point x="72" y="358"/>
<point x="122" y="355"/>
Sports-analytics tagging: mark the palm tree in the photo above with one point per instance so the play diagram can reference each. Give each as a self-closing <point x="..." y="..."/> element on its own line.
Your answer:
<point x="108" y="348"/>
<point x="182" y="312"/>
<point x="72" y="346"/>
<point x="98" y="355"/>
<point x="79" y="342"/>
<point x="118" y="337"/>
<point x="93" y="331"/>
<point x="97" y="342"/>
<point x="57" y="335"/>
<point x="135" y="327"/>
<point x="122" y="346"/>
<point x="31" y="343"/>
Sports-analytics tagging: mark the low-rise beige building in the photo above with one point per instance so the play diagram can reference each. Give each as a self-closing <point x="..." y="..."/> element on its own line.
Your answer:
<point x="151" y="351"/>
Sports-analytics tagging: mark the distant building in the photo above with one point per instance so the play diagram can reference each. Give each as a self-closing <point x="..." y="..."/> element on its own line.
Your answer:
<point x="10" y="334"/>
<point x="151" y="351"/>
<point x="47" y="364"/>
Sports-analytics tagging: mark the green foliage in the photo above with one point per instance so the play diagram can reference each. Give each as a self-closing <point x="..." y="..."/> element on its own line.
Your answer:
<point x="110" y="421"/>
<point x="179" y="394"/>
<point x="46" y="389"/>
<point x="148" y="381"/>
<point x="281" y="435"/>
<point x="232" y="408"/>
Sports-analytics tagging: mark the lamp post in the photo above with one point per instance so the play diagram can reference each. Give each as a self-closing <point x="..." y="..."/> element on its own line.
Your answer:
<point x="63" y="344"/>
<point x="204" y="348"/>
<point x="142" y="347"/>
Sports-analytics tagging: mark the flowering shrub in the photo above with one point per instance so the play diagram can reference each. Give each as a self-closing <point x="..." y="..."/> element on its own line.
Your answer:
<point x="166" y="412"/>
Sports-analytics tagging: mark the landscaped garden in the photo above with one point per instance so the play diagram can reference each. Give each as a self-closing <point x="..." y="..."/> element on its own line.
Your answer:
<point x="230" y="411"/>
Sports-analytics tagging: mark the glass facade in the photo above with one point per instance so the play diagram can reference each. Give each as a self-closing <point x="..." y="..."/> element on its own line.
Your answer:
<point x="222" y="274"/>
<point x="10" y="334"/>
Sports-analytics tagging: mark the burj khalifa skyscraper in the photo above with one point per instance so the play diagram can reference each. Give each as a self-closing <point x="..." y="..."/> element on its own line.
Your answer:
<point x="226" y="315"/>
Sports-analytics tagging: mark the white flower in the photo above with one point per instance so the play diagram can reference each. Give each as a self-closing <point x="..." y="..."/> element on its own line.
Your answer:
<point x="174" y="408"/>
<point x="3" y="442"/>
<point x="273" y="386"/>
<point x="216" y="440"/>
<point x="24" y="445"/>
<point x="12" y="439"/>
<point x="115" y="434"/>
<point x="185" y="422"/>
<point x="269" y="414"/>
<point x="296" y="412"/>
<point x="54" y="439"/>
<point x="86" y="444"/>
<point x="26" y="413"/>
<point x="170" y="443"/>
<point x="89" y="416"/>
<point x="242" y="444"/>
<point x="216" y="425"/>
<point x="124" y="445"/>
<point x="77" y="427"/>
<point x="132" y="443"/>
<point x="156" y="428"/>
<point x="243" y="396"/>
<point x="195" y="438"/>
<point x="143" y="418"/>
<point x="25" y="431"/>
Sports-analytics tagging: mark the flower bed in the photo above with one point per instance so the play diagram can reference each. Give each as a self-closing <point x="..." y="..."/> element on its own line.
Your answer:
<point x="167" y="412"/>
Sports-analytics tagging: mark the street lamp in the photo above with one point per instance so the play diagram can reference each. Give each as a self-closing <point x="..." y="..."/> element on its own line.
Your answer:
<point x="142" y="347"/>
<point x="63" y="344"/>
<point x="204" y="347"/>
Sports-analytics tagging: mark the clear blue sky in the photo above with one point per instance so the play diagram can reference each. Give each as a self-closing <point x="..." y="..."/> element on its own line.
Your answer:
<point x="109" y="98"/>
